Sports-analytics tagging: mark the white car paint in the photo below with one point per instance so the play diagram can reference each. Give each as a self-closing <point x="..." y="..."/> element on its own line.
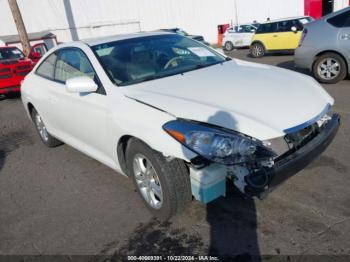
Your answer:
<point x="261" y="100"/>
<point x="239" y="38"/>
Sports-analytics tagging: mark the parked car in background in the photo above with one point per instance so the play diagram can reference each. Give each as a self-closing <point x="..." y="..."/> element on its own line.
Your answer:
<point x="238" y="36"/>
<point x="279" y="35"/>
<point x="324" y="48"/>
<point x="37" y="51"/>
<point x="184" y="33"/>
<point x="14" y="66"/>
<point x="177" y="117"/>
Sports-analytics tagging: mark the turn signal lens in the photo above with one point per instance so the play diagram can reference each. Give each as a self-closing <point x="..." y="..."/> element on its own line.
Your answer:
<point x="177" y="135"/>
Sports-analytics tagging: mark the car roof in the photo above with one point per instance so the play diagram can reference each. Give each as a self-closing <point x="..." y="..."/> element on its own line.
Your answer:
<point x="107" y="39"/>
<point x="285" y="19"/>
<point x="7" y="47"/>
<point x="335" y="13"/>
<point x="251" y="24"/>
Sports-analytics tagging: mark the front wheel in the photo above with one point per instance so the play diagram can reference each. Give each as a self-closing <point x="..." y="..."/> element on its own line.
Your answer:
<point x="164" y="185"/>
<point x="257" y="50"/>
<point x="229" y="46"/>
<point x="329" y="68"/>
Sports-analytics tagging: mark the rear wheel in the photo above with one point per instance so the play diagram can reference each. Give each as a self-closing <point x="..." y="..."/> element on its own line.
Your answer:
<point x="164" y="185"/>
<point x="329" y="68"/>
<point x="229" y="46"/>
<point x="257" y="50"/>
<point x="45" y="136"/>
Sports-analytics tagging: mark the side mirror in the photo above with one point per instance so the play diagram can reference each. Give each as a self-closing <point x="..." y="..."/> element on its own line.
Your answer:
<point x="253" y="30"/>
<point x="81" y="84"/>
<point x="294" y="29"/>
<point x="35" y="55"/>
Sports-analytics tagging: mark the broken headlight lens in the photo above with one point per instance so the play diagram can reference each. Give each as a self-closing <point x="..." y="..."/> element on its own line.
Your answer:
<point x="218" y="144"/>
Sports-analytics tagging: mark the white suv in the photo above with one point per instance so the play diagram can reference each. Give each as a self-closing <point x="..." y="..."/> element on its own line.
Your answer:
<point x="238" y="36"/>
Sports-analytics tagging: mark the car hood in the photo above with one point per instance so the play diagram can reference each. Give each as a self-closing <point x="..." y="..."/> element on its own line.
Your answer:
<point x="258" y="100"/>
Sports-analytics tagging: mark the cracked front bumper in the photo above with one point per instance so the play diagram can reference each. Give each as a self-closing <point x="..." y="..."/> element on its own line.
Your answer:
<point x="295" y="162"/>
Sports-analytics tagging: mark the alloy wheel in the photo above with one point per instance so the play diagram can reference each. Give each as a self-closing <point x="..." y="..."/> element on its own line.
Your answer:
<point x="329" y="68"/>
<point x="147" y="181"/>
<point x="257" y="50"/>
<point x="228" y="46"/>
<point x="41" y="127"/>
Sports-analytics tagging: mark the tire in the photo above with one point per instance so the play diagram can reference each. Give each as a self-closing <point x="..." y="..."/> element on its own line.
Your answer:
<point x="329" y="68"/>
<point x="257" y="50"/>
<point x="171" y="176"/>
<point x="44" y="135"/>
<point x="229" y="46"/>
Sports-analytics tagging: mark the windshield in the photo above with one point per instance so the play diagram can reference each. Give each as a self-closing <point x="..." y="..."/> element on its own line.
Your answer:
<point x="147" y="58"/>
<point x="11" y="53"/>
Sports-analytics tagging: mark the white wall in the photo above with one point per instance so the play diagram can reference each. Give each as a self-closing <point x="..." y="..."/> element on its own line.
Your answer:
<point x="120" y="16"/>
<point x="340" y="4"/>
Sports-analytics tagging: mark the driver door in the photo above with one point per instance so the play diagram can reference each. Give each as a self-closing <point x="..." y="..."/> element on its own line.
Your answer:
<point x="81" y="117"/>
<point x="285" y="38"/>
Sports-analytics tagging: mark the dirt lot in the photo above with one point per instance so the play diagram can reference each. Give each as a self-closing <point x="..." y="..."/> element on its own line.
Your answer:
<point x="59" y="201"/>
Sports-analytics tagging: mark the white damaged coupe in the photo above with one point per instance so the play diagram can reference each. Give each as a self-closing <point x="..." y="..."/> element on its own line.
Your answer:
<point x="177" y="117"/>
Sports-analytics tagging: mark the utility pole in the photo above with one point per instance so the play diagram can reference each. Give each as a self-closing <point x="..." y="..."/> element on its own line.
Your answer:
<point x="236" y="11"/>
<point x="22" y="33"/>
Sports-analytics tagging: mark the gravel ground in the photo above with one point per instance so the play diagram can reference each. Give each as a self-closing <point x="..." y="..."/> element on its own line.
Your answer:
<point x="59" y="201"/>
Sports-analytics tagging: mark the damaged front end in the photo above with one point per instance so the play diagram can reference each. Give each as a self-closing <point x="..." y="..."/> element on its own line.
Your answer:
<point x="295" y="151"/>
<point x="256" y="167"/>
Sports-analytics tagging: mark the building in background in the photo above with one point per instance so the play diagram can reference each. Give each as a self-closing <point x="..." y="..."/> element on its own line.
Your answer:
<point x="79" y="19"/>
<point x="46" y="37"/>
<point x="318" y="8"/>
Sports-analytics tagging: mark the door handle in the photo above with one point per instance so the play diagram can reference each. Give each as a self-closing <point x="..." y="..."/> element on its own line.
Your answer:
<point x="345" y="37"/>
<point x="275" y="35"/>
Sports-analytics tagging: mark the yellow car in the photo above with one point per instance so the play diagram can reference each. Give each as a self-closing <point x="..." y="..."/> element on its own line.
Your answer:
<point x="278" y="35"/>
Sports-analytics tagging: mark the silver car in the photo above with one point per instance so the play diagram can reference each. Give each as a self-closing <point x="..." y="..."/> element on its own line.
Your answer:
<point x="324" y="47"/>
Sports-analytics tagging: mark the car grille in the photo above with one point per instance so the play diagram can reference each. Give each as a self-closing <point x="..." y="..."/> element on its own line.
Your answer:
<point x="291" y="142"/>
<point x="5" y="76"/>
<point x="23" y="73"/>
<point x="23" y="67"/>
<point x="5" y="70"/>
<point x="301" y="137"/>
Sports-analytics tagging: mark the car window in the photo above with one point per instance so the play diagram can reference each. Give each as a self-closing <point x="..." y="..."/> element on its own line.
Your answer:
<point x="47" y="67"/>
<point x="250" y="29"/>
<point x="72" y="63"/>
<point x="341" y="20"/>
<point x="286" y="26"/>
<point x="41" y="49"/>
<point x="148" y="58"/>
<point x="267" y="28"/>
<point x="305" y="20"/>
<point x="231" y="30"/>
<point x="11" y="53"/>
<point x="247" y="28"/>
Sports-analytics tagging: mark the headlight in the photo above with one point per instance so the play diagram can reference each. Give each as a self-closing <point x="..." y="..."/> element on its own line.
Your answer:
<point x="217" y="144"/>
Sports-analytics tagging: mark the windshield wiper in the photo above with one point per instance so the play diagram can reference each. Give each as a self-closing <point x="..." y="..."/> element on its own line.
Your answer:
<point x="141" y="80"/>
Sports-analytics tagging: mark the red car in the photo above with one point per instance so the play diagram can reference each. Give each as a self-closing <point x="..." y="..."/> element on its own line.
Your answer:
<point x="14" y="66"/>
